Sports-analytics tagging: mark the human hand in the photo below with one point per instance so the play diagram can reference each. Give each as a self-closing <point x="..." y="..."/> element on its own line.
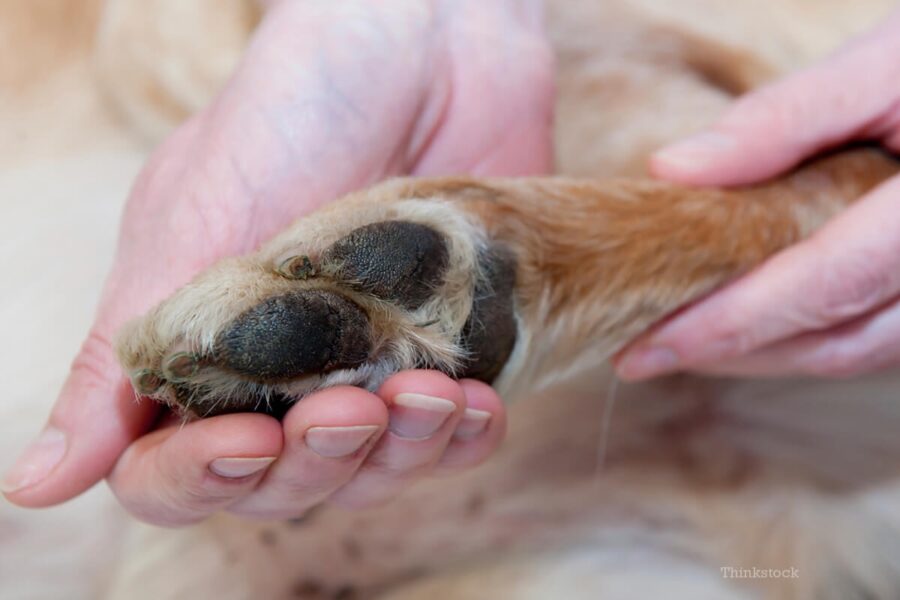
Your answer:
<point x="329" y="97"/>
<point x="829" y="305"/>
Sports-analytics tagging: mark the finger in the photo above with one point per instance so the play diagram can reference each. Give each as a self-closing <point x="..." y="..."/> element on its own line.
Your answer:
<point x="327" y="436"/>
<point x="844" y="271"/>
<point x="180" y="475"/>
<point x="849" y="96"/>
<point x="425" y="410"/>
<point x="96" y="416"/>
<point x="866" y="345"/>
<point x="480" y="430"/>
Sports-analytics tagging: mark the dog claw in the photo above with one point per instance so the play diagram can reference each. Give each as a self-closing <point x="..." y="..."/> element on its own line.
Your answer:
<point x="146" y="381"/>
<point x="296" y="267"/>
<point x="181" y="367"/>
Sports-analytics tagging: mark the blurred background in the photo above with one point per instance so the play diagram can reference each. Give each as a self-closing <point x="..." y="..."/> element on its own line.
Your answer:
<point x="69" y="151"/>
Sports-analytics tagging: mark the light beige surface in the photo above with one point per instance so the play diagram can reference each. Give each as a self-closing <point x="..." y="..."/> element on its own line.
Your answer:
<point x="66" y="169"/>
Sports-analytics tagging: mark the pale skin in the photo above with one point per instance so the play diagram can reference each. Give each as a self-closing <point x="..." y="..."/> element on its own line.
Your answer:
<point x="329" y="97"/>
<point x="827" y="306"/>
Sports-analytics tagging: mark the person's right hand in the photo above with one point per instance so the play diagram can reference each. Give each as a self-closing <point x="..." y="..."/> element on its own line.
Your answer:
<point x="829" y="305"/>
<point x="330" y="96"/>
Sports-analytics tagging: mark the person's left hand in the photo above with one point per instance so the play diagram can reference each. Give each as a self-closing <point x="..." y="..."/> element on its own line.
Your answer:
<point x="330" y="96"/>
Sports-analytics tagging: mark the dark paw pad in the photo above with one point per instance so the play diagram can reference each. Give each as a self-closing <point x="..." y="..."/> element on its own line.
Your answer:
<point x="398" y="261"/>
<point x="490" y="332"/>
<point x="313" y="331"/>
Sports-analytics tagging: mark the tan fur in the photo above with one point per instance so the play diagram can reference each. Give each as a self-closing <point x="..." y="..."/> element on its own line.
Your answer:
<point x="50" y="33"/>
<point x="157" y="66"/>
<point x="599" y="261"/>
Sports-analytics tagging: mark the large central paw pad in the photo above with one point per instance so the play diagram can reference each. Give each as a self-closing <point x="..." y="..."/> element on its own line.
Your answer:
<point x="258" y="333"/>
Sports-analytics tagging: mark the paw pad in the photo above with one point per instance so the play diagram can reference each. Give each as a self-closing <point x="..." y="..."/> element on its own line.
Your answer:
<point x="294" y="334"/>
<point x="336" y="311"/>
<point x="398" y="261"/>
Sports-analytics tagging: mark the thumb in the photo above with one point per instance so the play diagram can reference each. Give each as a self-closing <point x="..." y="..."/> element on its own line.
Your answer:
<point x="848" y="96"/>
<point x="95" y="418"/>
<point x="97" y="415"/>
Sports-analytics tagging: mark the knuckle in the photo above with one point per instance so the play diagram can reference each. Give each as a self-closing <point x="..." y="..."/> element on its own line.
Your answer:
<point x="184" y="498"/>
<point x="729" y="336"/>
<point x="198" y="495"/>
<point x="400" y="470"/>
<point x="191" y="497"/>
<point x="846" y="289"/>
<point x="778" y="107"/>
<point x="765" y="108"/>
<point x="95" y="360"/>
<point x="840" y="362"/>
<point x="304" y="491"/>
<point x="738" y="343"/>
<point x="303" y="488"/>
<point x="358" y="500"/>
<point x="157" y="509"/>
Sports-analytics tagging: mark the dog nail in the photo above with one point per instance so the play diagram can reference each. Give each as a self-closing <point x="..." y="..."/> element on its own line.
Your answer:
<point x="146" y="381"/>
<point x="296" y="267"/>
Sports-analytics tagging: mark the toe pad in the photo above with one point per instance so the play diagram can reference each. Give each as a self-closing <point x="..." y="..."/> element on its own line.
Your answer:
<point x="398" y="261"/>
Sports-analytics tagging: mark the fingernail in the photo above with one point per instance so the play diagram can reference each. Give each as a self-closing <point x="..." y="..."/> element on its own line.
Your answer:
<point x="337" y="442"/>
<point x="417" y="416"/>
<point x="473" y="422"/>
<point x="648" y="362"/>
<point x="37" y="461"/>
<point x="237" y="467"/>
<point x="697" y="149"/>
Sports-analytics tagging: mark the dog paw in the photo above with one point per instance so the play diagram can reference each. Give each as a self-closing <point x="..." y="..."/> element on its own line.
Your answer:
<point x="372" y="285"/>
